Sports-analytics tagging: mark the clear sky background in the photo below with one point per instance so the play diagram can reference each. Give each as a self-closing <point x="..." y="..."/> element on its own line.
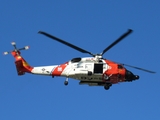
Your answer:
<point x="92" y="25"/>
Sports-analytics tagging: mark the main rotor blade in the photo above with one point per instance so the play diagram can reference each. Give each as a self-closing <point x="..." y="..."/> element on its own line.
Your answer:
<point x="135" y="67"/>
<point x="117" y="41"/>
<point x="65" y="43"/>
<point x="139" y="68"/>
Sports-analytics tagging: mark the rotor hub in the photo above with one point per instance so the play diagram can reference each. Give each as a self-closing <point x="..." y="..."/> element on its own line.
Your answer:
<point x="98" y="56"/>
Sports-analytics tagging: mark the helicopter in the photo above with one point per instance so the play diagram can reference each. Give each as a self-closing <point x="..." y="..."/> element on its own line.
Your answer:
<point x="92" y="71"/>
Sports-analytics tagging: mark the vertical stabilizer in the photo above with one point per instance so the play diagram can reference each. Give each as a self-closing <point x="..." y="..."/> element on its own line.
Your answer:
<point x="21" y="65"/>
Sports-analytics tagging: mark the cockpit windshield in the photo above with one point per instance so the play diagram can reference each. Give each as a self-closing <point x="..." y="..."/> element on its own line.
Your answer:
<point x="76" y="60"/>
<point x="120" y="67"/>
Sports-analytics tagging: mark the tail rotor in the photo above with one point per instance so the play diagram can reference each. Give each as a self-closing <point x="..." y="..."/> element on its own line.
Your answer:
<point x="15" y="49"/>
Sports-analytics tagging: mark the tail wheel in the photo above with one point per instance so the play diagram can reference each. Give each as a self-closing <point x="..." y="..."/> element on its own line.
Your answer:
<point x="107" y="86"/>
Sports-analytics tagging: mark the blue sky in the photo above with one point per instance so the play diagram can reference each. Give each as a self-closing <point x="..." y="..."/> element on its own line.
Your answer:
<point x="92" y="25"/>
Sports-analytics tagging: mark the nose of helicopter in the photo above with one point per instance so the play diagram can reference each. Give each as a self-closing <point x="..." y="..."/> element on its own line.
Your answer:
<point x="129" y="76"/>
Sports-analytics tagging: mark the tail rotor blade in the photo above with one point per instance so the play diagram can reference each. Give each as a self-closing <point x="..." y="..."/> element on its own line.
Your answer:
<point x="24" y="48"/>
<point x="14" y="45"/>
<point x="6" y="53"/>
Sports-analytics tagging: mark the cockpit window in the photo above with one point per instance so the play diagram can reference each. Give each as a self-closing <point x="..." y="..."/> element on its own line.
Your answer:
<point x="76" y="60"/>
<point x="120" y="67"/>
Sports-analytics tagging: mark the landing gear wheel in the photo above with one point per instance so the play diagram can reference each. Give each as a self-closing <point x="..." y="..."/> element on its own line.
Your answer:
<point x="66" y="83"/>
<point x="107" y="86"/>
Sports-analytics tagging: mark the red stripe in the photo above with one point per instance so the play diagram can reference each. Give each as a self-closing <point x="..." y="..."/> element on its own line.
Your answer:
<point x="59" y="69"/>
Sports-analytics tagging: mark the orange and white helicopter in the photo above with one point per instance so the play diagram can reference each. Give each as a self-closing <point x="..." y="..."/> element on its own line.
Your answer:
<point x="93" y="71"/>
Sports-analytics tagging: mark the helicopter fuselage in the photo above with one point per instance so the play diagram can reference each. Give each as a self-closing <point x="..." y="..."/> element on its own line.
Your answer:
<point x="88" y="70"/>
